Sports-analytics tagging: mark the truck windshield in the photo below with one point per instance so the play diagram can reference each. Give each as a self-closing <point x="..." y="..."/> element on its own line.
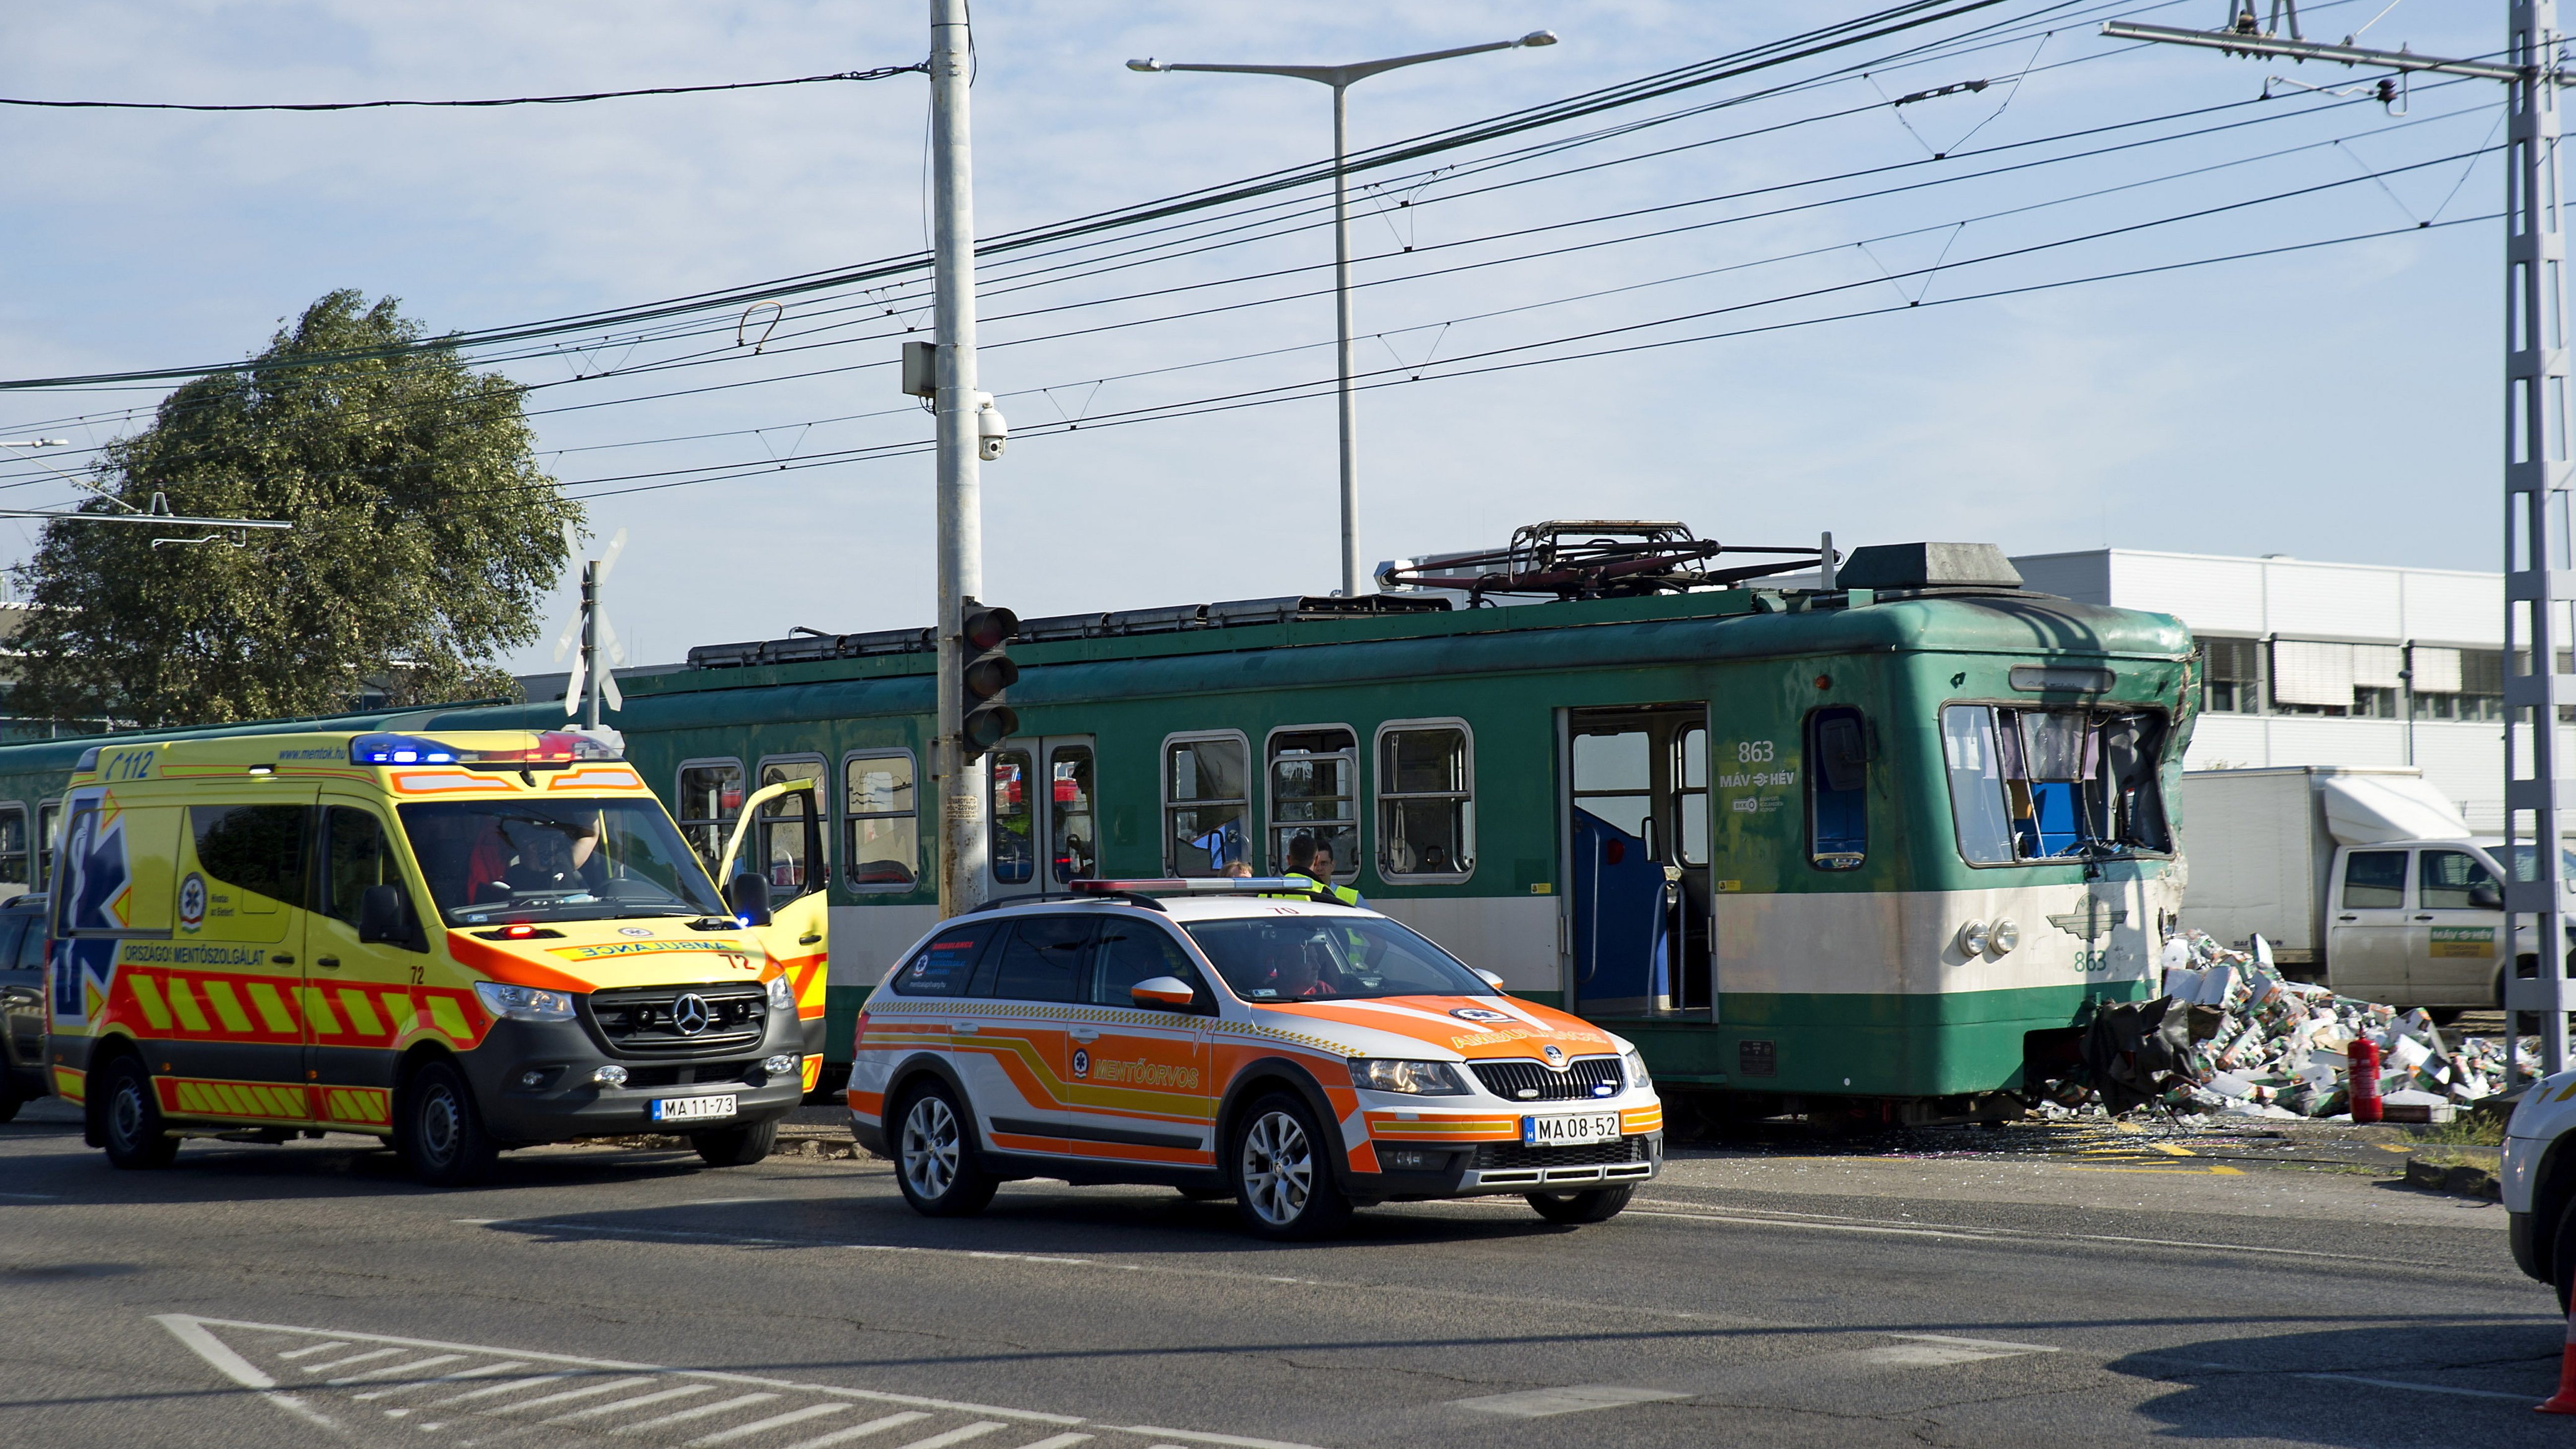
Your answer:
<point x="2053" y="784"/>
<point x="2526" y="867"/>
<point x="556" y="860"/>
<point x="1329" y="958"/>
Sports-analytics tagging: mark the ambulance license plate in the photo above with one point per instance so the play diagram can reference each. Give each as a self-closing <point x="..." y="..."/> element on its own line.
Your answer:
<point x="1580" y="1131"/>
<point x="692" y="1109"/>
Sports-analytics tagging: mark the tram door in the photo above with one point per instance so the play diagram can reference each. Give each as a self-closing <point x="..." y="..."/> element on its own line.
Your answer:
<point x="1636" y="869"/>
<point x="1041" y="815"/>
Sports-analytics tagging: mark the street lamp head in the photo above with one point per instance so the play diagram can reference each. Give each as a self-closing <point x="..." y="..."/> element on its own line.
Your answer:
<point x="1535" y="37"/>
<point x="1149" y="65"/>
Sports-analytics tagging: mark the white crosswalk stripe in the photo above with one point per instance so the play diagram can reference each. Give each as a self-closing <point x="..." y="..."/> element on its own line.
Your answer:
<point x="458" y="1396"/>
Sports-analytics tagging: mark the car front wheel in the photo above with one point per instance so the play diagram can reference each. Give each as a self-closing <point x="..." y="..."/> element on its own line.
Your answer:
<point x="1283" y="1172"/>
<point x="1598" y="1205"/>
<point x="736" y="1146"/>
<point x="934" y="1156"/>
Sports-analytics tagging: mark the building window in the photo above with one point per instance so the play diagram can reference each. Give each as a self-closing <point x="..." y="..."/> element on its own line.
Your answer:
<point x="792" y="828"/>
<point x="880" y="841"/>
<point x="1010" y="845"/>
<point x="710" y="797"/>
<point x="1426" y="800"/>
<point x="2231" y="676"/>
<point x="2456" y="684"/>
<point x="2315" y="676"/>
<point x="1837" y="789"/>
<point x="1314" y="798"/>
<point x="1205" y="804"/>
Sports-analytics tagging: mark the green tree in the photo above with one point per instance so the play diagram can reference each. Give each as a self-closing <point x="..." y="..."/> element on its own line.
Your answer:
<point x="425" y="536"/>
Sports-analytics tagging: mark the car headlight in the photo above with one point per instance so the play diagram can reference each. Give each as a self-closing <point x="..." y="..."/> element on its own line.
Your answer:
<point x="1421" y="1079"/>
<point x="523" y="1003"/>
<point x="1635" y="1063"/>
<point x="782" y="997"/>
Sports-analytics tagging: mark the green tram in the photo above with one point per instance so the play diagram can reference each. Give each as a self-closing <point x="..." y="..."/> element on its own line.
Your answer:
<point x="1883" y="842"/>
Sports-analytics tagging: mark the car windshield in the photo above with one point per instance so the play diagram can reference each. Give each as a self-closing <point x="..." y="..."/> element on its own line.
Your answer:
<point x="556" y="860"/>
<point x="1330" y="958"/>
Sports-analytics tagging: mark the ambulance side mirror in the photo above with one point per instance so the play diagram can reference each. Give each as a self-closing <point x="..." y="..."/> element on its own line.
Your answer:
<point x="749" y="897"/>
<point x="380" y="916"/>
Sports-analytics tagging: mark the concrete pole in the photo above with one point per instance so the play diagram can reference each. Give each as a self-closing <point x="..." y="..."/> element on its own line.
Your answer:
<point x="961" y="518"/>
<point x="2536" y="476"/>
<point x="590" y="644"/>
<point x="1342" y="335"/>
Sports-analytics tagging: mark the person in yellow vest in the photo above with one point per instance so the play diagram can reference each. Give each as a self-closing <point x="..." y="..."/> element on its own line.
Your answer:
<point x="1310" y="864"/>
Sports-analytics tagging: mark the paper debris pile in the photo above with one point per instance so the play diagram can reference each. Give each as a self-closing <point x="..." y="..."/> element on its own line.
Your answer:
<point x="2260" y="1045"/>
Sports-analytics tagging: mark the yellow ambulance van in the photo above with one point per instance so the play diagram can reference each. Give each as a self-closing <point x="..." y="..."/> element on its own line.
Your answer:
<point x="462" y="942"/>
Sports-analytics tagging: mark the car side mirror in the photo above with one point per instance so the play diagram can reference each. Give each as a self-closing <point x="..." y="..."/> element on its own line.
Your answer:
<point x="749" y="897"/>
<point x="2485" y="898"/>
<point x="1167" y="993"/>
<point x="380" y="915"/>
<point x="1492" y="980"/>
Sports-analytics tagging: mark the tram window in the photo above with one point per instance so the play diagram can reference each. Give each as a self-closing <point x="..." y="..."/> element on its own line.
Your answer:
<point x="1426" y="800"/>
<point x="1314" y="793"/>
<point x="2053" y="784"/>
<point x="710" y="795"/>
<point x="880" y="843"/>
<point x="1837" y="789"/>
<point x="49" y="817"/>
<point x="13" y="849"/>
<point x="1205" y="804"/>
<point x="1690" y="793"/>
<point x="783" y="843"/>
<point x="1014" y="814"/>
<point x="1073" y="842"/>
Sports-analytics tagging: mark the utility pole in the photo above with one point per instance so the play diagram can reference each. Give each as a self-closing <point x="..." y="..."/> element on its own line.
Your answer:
<point x="590" y="643"/>
<point x="1341" y="78"/>
<point x="961" y="514"/>
<point x="2538" y="581"/>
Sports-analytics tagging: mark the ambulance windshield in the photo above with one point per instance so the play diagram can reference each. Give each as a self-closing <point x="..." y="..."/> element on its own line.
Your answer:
<point x="1278" y="959"/>
<point x="556" y="860"/>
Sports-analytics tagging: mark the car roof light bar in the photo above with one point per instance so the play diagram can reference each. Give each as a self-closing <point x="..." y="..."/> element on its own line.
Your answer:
<point x="1218" y="885"/>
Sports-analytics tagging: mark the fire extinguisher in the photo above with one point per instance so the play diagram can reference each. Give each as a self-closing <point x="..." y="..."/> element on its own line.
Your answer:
<point x="2365" y="1081"/>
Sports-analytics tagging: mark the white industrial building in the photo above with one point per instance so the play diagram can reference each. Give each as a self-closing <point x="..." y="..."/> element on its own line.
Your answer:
<point x="2325" y="664"/>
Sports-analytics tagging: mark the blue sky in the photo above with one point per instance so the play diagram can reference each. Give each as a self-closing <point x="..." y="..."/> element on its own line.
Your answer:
<point x="2335" y="403"/>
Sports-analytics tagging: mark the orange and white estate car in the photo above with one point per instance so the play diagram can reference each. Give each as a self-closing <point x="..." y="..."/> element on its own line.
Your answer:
<point x="1237" y="1038"/>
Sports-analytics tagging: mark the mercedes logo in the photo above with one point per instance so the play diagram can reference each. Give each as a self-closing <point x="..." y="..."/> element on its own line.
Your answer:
<point x="689" y="1014"/>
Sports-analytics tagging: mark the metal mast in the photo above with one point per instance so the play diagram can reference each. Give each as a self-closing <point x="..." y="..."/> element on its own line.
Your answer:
<point x="961" y="516"/>
<point x="2538" y="582"/>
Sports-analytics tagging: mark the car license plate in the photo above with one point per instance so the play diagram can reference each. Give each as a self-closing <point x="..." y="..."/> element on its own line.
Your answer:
<point x="1579" y="1131"/>
<point x="692" y="1109"/>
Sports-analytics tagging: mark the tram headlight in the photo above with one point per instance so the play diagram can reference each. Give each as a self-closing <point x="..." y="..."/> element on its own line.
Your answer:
<point x="2003" y="935"/>
<point x="1972" y="939"/>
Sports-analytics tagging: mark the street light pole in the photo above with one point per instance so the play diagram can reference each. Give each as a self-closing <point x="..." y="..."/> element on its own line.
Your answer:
<point x="1341" y="78"/>
<point x="960" y="830"/>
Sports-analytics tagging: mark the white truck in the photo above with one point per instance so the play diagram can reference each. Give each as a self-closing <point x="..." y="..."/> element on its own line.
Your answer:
<point x="2367" y="877"/>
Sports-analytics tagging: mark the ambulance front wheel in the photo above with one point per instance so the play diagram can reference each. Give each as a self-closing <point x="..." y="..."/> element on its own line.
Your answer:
<point x="130" y="1119"/>
<point x="1599" y="1205"/>
<point x="438" y="1131"/>
<point x="737" y="1146"/>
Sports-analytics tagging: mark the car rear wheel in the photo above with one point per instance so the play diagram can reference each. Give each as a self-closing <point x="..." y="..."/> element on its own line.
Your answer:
<point x="737" y="1146"/>
<point x="439" y="1132"/>
<point x="1283" y="1174"/>
<point x="130" y="1119"/>
<point x="934" y="1156"/>
<point x="1599" y="1205"/>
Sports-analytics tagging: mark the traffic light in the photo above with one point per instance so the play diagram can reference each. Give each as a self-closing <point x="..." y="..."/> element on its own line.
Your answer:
<point x="983" y="629"/>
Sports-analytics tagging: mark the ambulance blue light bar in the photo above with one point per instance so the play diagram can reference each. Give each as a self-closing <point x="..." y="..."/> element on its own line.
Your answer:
<point x="553" y="747"/>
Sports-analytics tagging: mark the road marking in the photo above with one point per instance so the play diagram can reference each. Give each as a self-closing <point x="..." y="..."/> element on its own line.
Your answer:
<point x="793" y="1416"/>
<point x="433" y="1361"/>
<point x="324" y="1368"/>
<point x="233" y="1366"/>
<point x="622" y="1405"/>
<point x="1772" y="1218"/>
<point x="941" y="1441"/>
<point x="873" y="1426"/>
<point x="511" y="1387"/>
<point x="2172" y="1151"/>
<point x="702" y="1411"/>
<point x="582" y="1393"/>
<point x="1940" y="1350"/>
<point x="2232" y="1370"/>
<point x="1067" y="1441"/>
<point x="315" y="1348"/>
<point x="1572" y="1399"/>
<point x="489" y="1370"/>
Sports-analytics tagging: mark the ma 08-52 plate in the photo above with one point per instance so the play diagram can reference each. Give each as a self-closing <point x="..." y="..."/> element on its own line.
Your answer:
<point x="1578" y="1130"/>
<point x="708" y="1109"/>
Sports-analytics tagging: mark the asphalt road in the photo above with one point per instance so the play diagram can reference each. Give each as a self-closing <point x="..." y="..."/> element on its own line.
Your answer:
<point x="2109" y="1291"/>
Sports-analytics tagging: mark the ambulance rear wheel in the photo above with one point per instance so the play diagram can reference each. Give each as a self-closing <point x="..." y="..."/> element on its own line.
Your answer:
<point x="130" y="1119"/>
<point x="737" y="1146"/>
<point x="934" y="1156"/>
<point x="439" y="1133"/>
<point x="1283" y="1172"/>
<point x="1599" y="1205"/>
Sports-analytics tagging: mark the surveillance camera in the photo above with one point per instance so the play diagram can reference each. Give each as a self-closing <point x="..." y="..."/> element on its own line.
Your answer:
<point x="990" y="431"/>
